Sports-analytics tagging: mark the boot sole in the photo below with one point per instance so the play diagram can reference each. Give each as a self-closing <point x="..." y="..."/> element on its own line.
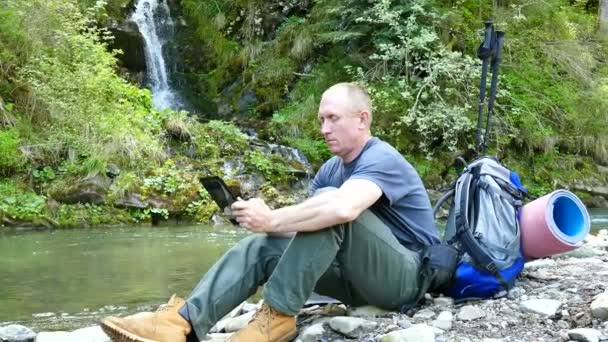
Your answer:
<point x="117" y="334"/>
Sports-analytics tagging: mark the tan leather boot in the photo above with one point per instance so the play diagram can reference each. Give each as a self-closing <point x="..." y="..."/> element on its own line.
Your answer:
<point x="268" y="325"/>
<point x="164" y="325"/>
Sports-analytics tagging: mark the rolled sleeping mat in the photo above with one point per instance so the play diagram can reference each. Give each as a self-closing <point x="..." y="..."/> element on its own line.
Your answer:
<point x="553" y="224"/>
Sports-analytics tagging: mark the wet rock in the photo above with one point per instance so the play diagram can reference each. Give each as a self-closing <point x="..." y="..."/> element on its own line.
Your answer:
<point x="130" y="201"/>
<point x="90" y="190"/>
<point x="584" y="335"/>
<point x="112" y="171"/>
<point x="128" y="39"/>
<point x="352" y="327"/>
<point x="599" y="307"/>
<point x="417" y="333"/>
<point x="16" y="333"/>
<point x="470" y="313"/>
<point x="543" y="307"/>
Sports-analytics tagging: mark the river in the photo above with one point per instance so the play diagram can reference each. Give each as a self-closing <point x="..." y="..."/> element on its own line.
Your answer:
<point x="67" y="279"/>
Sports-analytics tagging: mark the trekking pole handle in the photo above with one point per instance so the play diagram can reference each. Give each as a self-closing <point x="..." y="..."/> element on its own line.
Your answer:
<point x="500" y="38"/>
<point x="487" y="38"/>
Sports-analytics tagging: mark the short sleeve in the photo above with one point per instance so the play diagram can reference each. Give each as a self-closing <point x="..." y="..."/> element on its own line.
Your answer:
<point x="385" y="170"/>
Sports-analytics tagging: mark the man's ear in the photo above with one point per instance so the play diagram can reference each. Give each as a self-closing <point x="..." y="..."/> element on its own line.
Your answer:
<point x="364" y="119"/>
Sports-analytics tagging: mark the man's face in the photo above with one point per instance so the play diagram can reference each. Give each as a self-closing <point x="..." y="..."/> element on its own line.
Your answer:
<point x="341" y="126"/>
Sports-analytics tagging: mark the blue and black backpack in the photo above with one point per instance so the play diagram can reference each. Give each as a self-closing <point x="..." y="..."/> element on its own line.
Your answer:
<point x="483" y="226"/>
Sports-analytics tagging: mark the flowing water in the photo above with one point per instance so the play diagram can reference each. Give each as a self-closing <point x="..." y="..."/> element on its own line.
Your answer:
<point x="67" y="279"/>
<point x="153" y="19"/>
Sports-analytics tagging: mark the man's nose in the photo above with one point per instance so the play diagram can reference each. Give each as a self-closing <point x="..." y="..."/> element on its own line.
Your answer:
<point x="325" y="128"/>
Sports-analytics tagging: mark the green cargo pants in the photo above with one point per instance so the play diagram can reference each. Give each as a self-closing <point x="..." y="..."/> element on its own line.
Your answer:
<point x="357" y="263"/>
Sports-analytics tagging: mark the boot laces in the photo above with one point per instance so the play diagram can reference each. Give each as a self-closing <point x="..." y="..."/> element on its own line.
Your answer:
<point x="165" y="307"/>
<point x="263" y="318"/>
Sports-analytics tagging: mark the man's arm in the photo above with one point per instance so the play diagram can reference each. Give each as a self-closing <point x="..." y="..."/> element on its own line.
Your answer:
<point x="321" y="211"/>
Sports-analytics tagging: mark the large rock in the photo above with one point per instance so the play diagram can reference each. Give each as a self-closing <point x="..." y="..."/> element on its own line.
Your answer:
<point x="16" y="333"/>
<point x="128" y="39"/>
<point x="89" y="190"/>
<point x="130" y="201"/>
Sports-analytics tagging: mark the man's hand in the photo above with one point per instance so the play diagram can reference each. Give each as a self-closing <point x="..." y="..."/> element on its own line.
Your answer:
<point x="253" y="215"/>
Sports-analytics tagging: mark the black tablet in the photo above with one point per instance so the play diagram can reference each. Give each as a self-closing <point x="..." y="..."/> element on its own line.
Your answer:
<point x="221" y="194"/>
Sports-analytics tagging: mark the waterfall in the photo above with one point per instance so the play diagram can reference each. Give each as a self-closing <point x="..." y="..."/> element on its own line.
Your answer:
<point x="153" y="19"/>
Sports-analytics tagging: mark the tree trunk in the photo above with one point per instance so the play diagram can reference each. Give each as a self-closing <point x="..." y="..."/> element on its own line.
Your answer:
<point x="603" y="5"/>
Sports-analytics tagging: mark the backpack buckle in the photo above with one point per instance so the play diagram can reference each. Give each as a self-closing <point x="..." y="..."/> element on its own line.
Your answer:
<point x="491" y="267"/>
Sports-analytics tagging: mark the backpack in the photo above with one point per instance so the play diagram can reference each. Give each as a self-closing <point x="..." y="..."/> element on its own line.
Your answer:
<point x="483" y="226"/>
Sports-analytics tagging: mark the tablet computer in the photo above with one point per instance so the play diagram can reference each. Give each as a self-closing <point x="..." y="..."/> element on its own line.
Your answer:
<point x="221" y="195"/>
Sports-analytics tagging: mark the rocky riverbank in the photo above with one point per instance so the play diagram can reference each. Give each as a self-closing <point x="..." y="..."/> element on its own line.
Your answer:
<point x="563" y="298"/>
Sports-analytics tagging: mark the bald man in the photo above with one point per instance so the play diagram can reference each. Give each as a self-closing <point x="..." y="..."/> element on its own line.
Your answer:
<point x="357" y="239"/>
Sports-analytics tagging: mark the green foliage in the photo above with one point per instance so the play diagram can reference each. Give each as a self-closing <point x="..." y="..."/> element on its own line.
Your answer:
<point x="203" y="209"/>
<point x="227" y="137"/>
<point x="170" y="179"/>
<point x="84" y="215"/>
<point x="12" y="160"/>
<point x="71" y="93"/>
<point x="272" y="167"/>
<point x="316" y="151"/>
<point x="20" y="204"/>
<point x="424" y="90"/>
<point x="44" y="175"/>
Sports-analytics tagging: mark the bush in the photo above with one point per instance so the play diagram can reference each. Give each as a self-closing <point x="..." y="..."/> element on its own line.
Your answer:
<point x="12" y="160"/>
<point x="20" y="204"/>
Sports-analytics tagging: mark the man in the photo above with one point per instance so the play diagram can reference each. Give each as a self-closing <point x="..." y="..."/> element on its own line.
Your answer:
<point x="357" y="240"/>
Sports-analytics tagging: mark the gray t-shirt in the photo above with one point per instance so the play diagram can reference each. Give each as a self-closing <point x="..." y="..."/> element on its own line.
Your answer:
<point x="404" y="205"/>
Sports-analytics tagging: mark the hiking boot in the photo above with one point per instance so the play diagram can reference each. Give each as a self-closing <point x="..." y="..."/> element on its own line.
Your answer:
<point x="267" y="325"/>
<point x="164" y="325"/>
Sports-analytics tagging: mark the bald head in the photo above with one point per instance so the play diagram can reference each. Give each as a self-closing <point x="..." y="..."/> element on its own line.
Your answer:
<point x="354" y="98"/>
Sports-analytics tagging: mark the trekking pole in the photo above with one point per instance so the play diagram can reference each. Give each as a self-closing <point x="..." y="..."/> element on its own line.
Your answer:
<point x="484" y="52"/>
<point x="500" y="37"/>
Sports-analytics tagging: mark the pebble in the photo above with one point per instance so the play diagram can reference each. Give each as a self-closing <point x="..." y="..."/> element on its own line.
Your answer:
<point x="584" y="335"/>
<point x="599" y="307"/>
<point x="16" y="333"/>
<point x="443" y="321"/>
<point x="417" y="333"/>
<point x="543" y="307"/>
<point x="351" y="327"/>
<point x="470" y="313"/>
<point x="424" y="314"/>
<point x="311" y="333"/>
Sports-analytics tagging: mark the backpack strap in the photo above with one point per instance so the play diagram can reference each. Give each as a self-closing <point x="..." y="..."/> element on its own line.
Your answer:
<point x="437" y="266"/>
<point x="464" y="232"/>
<point x="446" y="195"/>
